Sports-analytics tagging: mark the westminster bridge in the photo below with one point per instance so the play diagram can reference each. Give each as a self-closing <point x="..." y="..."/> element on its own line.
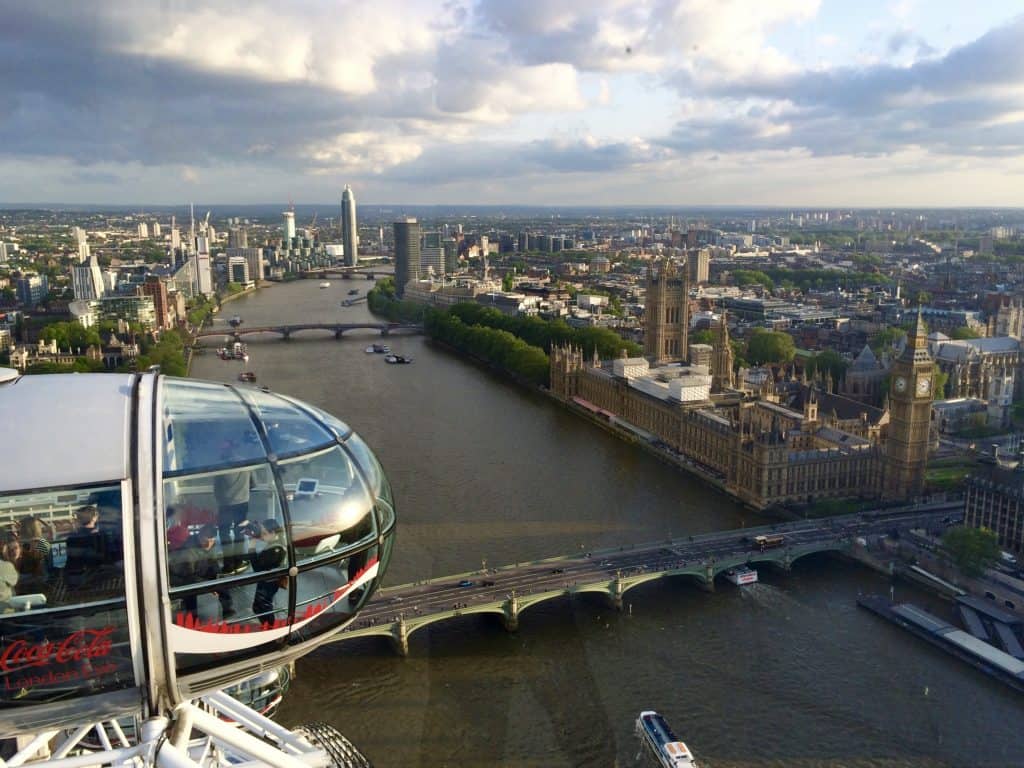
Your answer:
<point x="397" y="612"/>
<point x="286" y="331"/>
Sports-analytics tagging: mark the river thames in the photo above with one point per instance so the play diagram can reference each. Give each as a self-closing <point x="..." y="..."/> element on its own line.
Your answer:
<point x="788" y="672"/>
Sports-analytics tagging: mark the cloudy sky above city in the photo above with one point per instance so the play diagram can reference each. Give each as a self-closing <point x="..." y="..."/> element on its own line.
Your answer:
<point x="560" y="102"/>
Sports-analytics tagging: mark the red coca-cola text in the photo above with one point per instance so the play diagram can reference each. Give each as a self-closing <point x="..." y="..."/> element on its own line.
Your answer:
<point x="83" y="644"/>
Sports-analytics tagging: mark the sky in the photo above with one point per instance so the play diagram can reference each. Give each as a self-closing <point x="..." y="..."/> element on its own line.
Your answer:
<point x="812" y="103"/>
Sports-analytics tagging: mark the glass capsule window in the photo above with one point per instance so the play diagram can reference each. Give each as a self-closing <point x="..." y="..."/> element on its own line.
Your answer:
<point x="288" y="429"/>
<point x="330" y="507"/>
<point x="206" y="426"/>
<point x="277" y="521"/>
<point x="379" y="485"/>
<point x="330" y="422"/>
<point x="63" y="617"/>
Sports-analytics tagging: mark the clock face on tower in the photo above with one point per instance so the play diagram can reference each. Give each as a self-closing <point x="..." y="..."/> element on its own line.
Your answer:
<point x="924" y="385"/>
<point x="900" y="384"/>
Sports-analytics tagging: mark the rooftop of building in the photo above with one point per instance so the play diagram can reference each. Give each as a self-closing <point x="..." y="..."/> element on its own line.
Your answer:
<point x="844" y="408"/>
<point x="999" y="477"/>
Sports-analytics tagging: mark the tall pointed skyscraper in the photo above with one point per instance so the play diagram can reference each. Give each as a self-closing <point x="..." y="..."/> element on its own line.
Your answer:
<point x="349" y="233"/>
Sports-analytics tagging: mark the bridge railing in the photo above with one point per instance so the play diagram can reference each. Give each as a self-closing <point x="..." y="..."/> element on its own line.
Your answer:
<point x="737" y="533"/>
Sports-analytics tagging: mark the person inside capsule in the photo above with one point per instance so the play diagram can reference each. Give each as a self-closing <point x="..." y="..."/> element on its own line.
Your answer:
<point x="240" y="476"/>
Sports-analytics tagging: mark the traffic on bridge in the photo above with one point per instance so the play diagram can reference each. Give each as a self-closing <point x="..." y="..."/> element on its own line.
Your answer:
<point x="398" y="611"/>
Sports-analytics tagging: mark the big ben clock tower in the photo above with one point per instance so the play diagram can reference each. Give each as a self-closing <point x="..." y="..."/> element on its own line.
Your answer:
<point x="910" y="412"/>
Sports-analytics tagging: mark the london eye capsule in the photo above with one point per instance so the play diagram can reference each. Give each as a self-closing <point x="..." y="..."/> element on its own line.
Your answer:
<point x="165" y="538"/>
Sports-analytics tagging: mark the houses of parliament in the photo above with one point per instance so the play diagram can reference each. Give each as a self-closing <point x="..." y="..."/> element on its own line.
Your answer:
<point x="766" y="443"/>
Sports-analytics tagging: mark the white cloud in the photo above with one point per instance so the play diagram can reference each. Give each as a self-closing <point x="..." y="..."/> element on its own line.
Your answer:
<point x="407" y="92"/>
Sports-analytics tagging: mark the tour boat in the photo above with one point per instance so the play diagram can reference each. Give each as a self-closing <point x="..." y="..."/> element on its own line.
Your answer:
<point x="353" y="292"/>
<point x="235" y="321"/>
<point x="237" y="351"/>
<point x="741" y="575"/>
<point x="325" y="284"/>
<point x="380" y="349"/>
<point x="663" y="744"/>
<point x="247" y="376"/>
<point x="397" y="359"/>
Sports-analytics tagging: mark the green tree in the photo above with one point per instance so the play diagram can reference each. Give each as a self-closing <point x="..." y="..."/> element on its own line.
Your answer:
<point x="71" y="335"/>
<point x="507" y="281"/>
<point x="745" y="277"/>
<point x="615" y="306"/>
<point x="829" y="362"/>
<point x="886" y="338"/>
<point x="234" y="288"/>
<point x="770" y="347"/>
<point x="939" y="380"/>
<point x="963" y="332"/>
<point x="923" y="298"/>
<point x="972" y="549"/>
<point x="168" y="353"/>
<point x="702" y="337"/>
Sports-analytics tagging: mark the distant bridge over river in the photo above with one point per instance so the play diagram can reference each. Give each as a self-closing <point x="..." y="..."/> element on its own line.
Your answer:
<point x="286" y="331"/>
<point x="397" y="612"/>
<point x="359" y="272"/>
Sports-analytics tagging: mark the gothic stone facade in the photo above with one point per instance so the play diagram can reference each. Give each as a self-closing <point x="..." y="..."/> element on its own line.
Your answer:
<point x="762" y="452"/>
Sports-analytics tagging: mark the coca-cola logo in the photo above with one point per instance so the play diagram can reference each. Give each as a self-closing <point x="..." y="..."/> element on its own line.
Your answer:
<point x="83" y="644"/>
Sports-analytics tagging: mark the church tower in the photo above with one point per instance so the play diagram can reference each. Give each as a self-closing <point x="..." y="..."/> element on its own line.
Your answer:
<point x="721" y="358"/>
<point x="667" y="313"/>
<point x="910" y="404"/>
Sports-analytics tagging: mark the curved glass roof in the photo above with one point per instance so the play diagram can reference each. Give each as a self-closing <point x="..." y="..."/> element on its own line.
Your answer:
<point x="210" y="427"/>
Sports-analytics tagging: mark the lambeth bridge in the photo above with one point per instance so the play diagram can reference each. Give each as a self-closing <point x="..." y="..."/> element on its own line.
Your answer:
<point x="396" y="613"/>
<point x="286" y="331"/>
<point x="359" y="272"/>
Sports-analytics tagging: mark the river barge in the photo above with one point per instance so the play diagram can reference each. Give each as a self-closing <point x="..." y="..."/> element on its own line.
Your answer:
<point x="960" y="644"/>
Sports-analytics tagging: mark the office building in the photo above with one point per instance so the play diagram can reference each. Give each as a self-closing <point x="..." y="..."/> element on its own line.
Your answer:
<point x="203" y="270"/>
<point x="87" y="280"/>
<point x="143" y="231"/>
<point x="349" y="230"/>
<point x="451" y="255"/>
<point x="995" y="500"/>
<point x="32" y="289"/>
<point x="156" y="289"/>
<point x="238" y="237"/>
<point x="156" y="229"/>
<point x="432" y="254"/>
<point x="289" y="228"/>
<point x="131" y="309"/>
<point x="238" y="271"/>
<point x="253" y="257"/>
<point x="3" y="253"/>
<point x="698" y="265"/>
<point x="407" y="253"/>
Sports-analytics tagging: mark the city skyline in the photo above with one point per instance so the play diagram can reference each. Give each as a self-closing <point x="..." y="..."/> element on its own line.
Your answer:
<point x="596" y="104"/>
